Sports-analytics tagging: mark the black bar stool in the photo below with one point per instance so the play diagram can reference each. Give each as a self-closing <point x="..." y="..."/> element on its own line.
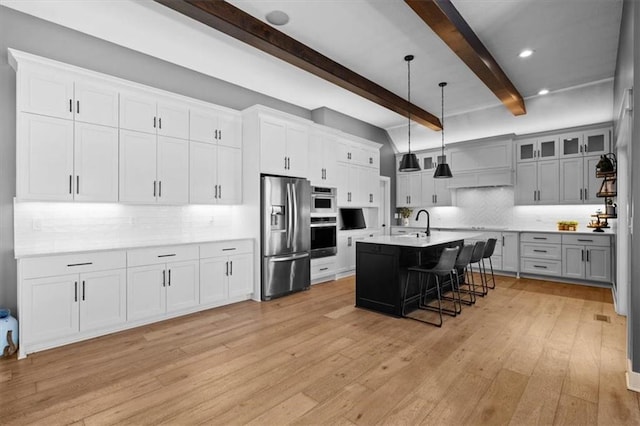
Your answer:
<point x="476" y="257"/>
<point x="443" y="268"/>
<point x="462" y="262"/>
<point x="488" y="252"/>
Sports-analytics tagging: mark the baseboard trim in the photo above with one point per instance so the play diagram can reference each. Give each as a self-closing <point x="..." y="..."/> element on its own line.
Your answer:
<point x="633" y="378"/>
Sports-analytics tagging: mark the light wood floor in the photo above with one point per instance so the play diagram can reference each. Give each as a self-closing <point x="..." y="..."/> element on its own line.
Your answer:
<point x="532" y="352"/>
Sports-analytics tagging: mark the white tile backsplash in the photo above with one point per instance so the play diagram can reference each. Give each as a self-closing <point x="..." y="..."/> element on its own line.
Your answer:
<point x="493" y="207"/>
<point x="57" y="227"/>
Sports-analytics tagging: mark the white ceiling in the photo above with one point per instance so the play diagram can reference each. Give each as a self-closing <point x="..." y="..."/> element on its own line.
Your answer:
<point x="575" y="43"/>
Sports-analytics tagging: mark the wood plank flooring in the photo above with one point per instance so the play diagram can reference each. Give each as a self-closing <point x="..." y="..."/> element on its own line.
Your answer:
<point x="532" y="352"/>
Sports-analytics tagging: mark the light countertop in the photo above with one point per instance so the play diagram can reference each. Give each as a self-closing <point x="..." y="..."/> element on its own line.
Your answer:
<point x="581" y="231"/>
<point x="421" y="241"/>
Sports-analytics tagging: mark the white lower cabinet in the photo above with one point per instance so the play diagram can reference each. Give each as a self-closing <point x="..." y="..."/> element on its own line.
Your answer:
<point x="510" y="256"/>
<point x="323" y="269"/>
<point x="156" y="286"/>
<point x="226" y="271"/>
<point x="346" y="257"/>
<point x="586" y="257"/>
<point x="63" y="298"/>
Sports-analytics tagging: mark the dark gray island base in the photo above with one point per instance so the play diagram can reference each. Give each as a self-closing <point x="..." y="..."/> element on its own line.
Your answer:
<point x="382" y="262"/>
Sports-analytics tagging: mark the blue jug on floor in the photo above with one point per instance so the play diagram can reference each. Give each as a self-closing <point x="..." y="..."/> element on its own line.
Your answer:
<point x="8" y="333"/>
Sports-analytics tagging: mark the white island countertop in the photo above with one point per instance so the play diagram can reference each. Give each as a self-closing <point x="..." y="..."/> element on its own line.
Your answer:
<point x="421" y="241"/>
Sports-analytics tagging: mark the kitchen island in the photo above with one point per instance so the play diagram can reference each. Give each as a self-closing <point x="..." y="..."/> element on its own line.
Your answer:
<point x="382" y="263"/>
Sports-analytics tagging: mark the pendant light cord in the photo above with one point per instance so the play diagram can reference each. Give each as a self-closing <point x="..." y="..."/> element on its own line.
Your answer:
<point x="442" y="118"/>
<point x="409" y="101"/>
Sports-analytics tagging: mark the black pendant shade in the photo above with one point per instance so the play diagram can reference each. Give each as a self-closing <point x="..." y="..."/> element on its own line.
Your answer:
<point x="443" y="170"/>
<point x="409" y="162"/>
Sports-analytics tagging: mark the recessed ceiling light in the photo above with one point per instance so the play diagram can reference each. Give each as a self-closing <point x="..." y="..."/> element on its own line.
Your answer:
<point x="277" y="17"/>
<point x="526" y="53"/>
<point x="543" y="92"/>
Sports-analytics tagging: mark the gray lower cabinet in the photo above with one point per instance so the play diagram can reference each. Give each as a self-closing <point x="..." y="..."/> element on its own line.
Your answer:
<point x="510" y="255"/>
<point x="540" y="253"/>
<point x="587" y="257"/>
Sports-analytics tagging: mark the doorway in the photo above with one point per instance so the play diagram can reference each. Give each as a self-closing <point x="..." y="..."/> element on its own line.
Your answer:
<point x="384" y="212"/>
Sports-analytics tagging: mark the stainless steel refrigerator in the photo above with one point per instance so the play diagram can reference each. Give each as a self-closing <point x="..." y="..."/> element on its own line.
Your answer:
<point x="286" y="238"/>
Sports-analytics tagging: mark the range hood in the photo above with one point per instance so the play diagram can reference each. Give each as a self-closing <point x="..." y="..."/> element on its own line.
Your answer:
<point x="482" y="178"/>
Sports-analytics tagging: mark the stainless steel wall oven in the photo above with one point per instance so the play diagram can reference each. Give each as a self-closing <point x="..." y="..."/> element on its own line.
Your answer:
<point x="323" y="200"/>
<point x="323" y="236"/>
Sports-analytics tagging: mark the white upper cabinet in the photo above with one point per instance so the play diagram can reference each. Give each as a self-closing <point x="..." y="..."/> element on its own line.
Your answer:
<point x="284" y="146"/>
<point x="95" y="163"/>
<point x="585" y="143"/>
<point x="96" y="102"/>
<point x="215" y="126"/>
<point x="537" y="183"/>
<point x="55" y="93"/>
<point x="409" y="189"/>
<point x="144" y="112"/>
<point x="215" y="174"/>
<point x="45" y="158"/>
<point x="172" y="171"/>
<point x="542" y="148"/>
<point x="323" y="158"/>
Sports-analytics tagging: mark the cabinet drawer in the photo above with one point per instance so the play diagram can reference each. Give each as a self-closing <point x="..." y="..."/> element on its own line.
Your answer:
<point x="541" y="251"/>
<point x="72" y="263"/>
<point x="152" y="256"/>
<point x="587" y="240"/>
<point x="541" y="267"/>
<point x="323" y="267"/>
<point x="225" y="248"/>
<point x="536" y="237"/>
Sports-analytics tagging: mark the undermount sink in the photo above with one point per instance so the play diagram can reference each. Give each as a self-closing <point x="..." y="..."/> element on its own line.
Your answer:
<point x="413" y="235"/>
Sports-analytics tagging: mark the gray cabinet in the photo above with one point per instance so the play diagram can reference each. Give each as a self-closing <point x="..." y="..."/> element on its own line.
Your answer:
<point x="537" y="182"/>
<point x="586" y="257"/>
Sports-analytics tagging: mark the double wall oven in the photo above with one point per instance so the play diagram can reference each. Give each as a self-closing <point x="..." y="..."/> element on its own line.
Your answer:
<point x="323" y="222"/>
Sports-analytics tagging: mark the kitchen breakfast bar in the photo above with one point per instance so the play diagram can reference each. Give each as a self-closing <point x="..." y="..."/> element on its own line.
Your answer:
<point x="382" y="263"/>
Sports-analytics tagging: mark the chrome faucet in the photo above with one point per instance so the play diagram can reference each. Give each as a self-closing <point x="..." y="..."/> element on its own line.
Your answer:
<point x="428" y="231"/>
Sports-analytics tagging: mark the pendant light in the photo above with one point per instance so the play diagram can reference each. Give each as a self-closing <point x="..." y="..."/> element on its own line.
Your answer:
<point x="443" y="170"/>
<point x="409" y="162"/>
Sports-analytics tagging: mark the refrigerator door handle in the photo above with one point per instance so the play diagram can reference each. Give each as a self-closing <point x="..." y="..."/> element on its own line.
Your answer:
<point x="294" y="222"/>
<point x="289" y="258"/>
<point x="289" y="216"/>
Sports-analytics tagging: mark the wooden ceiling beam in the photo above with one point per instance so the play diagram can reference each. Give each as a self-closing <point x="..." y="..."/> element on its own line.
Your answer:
<point x="445" y="20"/>
<point x="234" y="22"/>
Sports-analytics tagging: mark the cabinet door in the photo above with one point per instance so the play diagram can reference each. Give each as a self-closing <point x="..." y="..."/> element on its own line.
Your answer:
<point x="229" y="175"/>
<point x="297" y="150"/>
<point x="316" y="163"/>
<point x="47" y="92"/>
<point x="590" y="181"/>
<point x="372" y="183"/>
<point x="573" y="258"/>
<point x="213" y="280"/>
<point x="548" y="185"/>
<point x="203" y="125"/>
<point x="203" y="163"/>
<point x="103" y="299"/>
<point x="273" y="152"/>
<point x="510" y="255"/>
<point x="96" y="103"/>
<point x="526" y="150"/>
<point x="343" y="246"/>
<point x="146" y="296"/>
<point x="138" y="113"/>
<point x="344" y="151"/>
<point x="96" y="163"/>
<point x="598" y="264"/>
<point x="526" y="183"/>
<point x="402" y="190"/>
<point x="357" y="186"/>
<point x="343" y="184"/>
<point x="415" y="189"/>
<point x="229" y="130"/>
<point x="571" y="177"/>
<point x="240" y="274"/>
<point x="138" y="181"/>
<point x="330" y="161"/>
<point x="597" y="142"/>
<point x="51" y="308"/>
<point x="441" y="192"/>
<point x="571" y="145"/>
<point x="173" y="171"/>
<point x="45" y="158"/>
<point x="173" y="120"/>
<point x="547" y="148"/>
<point x="427" y="184"/>
<point x="182" y="285"/>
